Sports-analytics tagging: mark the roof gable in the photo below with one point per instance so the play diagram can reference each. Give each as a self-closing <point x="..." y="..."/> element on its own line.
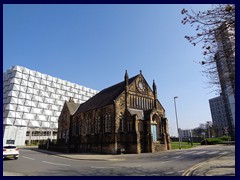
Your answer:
<point x="72" y="107"/>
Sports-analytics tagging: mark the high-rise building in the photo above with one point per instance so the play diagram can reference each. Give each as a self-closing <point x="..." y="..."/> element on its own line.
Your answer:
<point x="225" y="61"/>
<point x="219" y="115"/>
<point x="32" y="103"/>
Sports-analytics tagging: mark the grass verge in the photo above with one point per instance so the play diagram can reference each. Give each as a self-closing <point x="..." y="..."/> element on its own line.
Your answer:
<point x="184" y="145"/>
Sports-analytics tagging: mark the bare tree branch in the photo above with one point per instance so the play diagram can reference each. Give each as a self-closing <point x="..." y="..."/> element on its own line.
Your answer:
<point x="210" y="26"/>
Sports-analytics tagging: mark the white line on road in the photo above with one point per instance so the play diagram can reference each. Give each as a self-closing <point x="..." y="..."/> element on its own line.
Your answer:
<point x="101" y="167"/>
<point x="189" y="152"/>
<point x="177" y="157"/>
<point x="56" y="163"/>
<point x="153" y="175"/>
<point x="28" y="158"/>
<point x="201" y="152"/>
<point x="165" y="161"/>
<point x="223" y="153"/>
<point x="214" y="152"/>
<point x="181" y="171"/>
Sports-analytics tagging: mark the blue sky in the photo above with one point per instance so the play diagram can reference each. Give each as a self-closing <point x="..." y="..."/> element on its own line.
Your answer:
<point x="93" y="45"/>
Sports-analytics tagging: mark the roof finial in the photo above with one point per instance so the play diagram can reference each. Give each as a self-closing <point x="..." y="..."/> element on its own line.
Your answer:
<point x="154" y="87"/>
<point x="126" y="74"/>
<point x="140" y="71"/>
<point x="126" y="78"/>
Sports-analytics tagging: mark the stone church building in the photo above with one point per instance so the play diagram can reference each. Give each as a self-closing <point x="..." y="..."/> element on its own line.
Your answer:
<point x="126" y="116"/>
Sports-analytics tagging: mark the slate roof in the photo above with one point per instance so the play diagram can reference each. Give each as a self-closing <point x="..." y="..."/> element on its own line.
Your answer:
<point x="104" y="97"/>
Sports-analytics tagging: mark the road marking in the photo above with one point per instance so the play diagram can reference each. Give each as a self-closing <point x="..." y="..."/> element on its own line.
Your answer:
<point x="181" y="170"/>
<point x="223" y="153"/>
<point x="190" y="170"/>
<point x="168" y="172"/>
<point x="214" y="152"/>
<point x="28" y="158"/>
<point x="177" y="157"/>
<point x="56" y="163"/>
<point x="201" y="152"/>
<point x="189" y="152"/>
<point x="101" y="167"/>
<point x="152" y="175"/>
<point x="164" y="156"/>
<point x="165" y="161"/>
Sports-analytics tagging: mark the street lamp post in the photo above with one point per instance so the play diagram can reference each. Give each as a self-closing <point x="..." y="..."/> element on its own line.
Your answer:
<point x="177" y="122"/>
<point x="208" y="129"/>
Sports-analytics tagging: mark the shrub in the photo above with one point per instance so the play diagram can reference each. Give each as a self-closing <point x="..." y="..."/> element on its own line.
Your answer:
<point x="211" y="141"/>
<point x="225" y="138"/>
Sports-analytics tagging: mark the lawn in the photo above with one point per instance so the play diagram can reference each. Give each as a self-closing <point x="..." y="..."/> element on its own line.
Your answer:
<point x="184" y="145"/>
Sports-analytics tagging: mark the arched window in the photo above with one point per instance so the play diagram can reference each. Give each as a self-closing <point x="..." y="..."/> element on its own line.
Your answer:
<point x="106" y="122"/>
<point x="121" y="122"/>
<point x="91" y="126"/>
<point x="96" y="125"/>
<point x="88" y="125"/>
<point x="80" y="127"/>
<point x="109" y="123"/>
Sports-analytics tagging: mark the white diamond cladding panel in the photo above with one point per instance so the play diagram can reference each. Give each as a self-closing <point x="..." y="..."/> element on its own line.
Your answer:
<point x="31" y="97"/>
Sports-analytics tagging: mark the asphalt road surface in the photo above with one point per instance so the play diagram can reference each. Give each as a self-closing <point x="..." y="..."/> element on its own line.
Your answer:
<point x="169" y="163"/>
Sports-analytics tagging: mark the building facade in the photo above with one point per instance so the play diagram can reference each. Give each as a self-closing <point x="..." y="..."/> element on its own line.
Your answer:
<point x="225" y="61"/>
<point x="219" y="115"/>
<point x="126" y="116"/>
<point x="32" y="103"/>
<point x="185" y="133"/>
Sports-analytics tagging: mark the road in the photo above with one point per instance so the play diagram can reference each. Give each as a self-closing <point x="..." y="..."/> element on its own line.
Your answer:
<point x="169" y="163"/>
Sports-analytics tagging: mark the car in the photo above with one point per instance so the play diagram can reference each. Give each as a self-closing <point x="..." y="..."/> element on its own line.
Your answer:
<point x="10" y="151"/>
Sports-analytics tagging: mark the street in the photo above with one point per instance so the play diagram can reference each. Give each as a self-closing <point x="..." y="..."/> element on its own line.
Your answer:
<point x="33" y="162"/>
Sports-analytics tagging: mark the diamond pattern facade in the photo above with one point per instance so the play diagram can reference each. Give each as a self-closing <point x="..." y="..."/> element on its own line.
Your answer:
<point x="32" y="103"/>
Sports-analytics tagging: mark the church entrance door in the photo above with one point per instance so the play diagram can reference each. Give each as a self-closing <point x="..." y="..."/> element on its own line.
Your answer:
<point x="154" y="131"/>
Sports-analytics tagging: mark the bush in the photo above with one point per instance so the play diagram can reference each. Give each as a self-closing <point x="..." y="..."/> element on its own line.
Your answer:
<point x="211" y="141"/>
<point x="225" y="138"/>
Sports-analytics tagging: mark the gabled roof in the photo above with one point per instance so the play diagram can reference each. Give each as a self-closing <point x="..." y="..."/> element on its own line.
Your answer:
<point x="105" y="97"/>
<point x="72" y="107"/>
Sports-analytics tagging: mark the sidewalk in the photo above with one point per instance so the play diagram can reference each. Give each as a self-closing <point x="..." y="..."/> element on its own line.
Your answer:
<point x="218" y="166"/>
<point x="86" y="156"/>
<point x="5" y="173"/>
